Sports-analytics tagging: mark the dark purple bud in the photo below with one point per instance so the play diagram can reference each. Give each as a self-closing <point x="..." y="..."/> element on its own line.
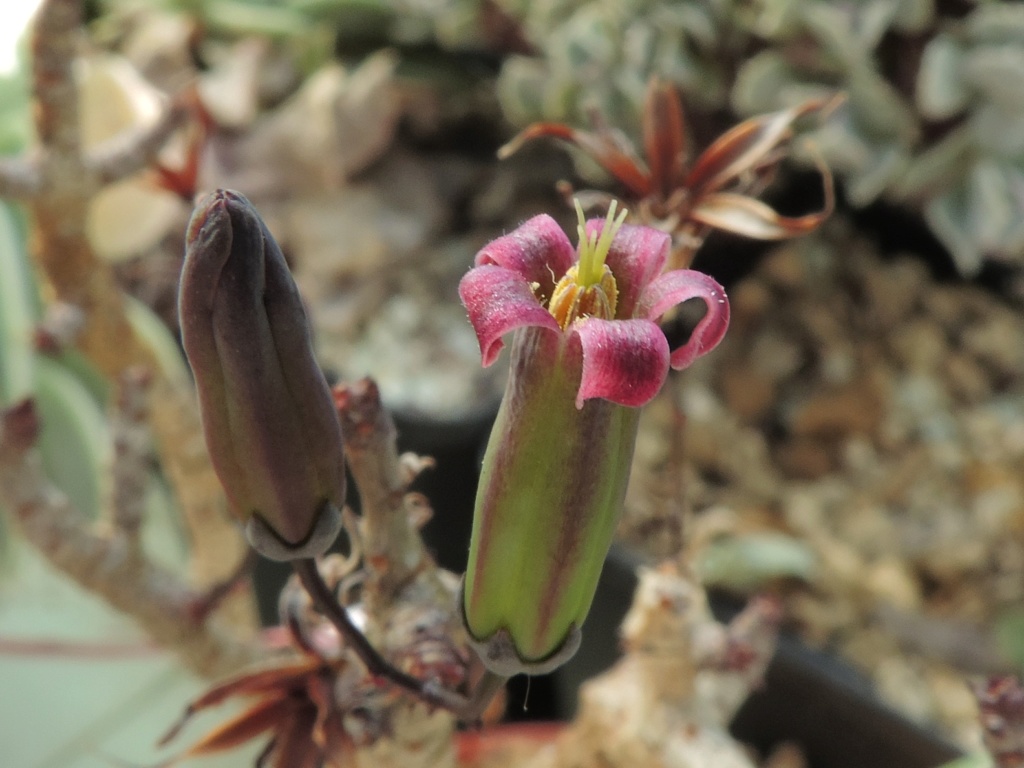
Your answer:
<point x="267" y="412"/>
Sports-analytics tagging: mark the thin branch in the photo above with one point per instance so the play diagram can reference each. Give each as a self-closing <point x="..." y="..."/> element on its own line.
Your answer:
<point x="392" y="547"/>
<point x="55" y="43"/>
<point x="59" y="211"/>
<point x="216" y="547"/>
<point x="327" y="603"/>
<point x="155" y="597"/>
<point x="466" y="709"/>
<point x="132" y="151"/>
<point x="215" y="595"/>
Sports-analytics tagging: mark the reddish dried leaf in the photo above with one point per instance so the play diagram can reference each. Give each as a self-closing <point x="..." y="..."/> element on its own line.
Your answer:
<point x="184" y="181"/>
<point x="258" y="719"/>
<point x="690" y="203"/>
<point x="743" y="147"/>
<point x="609" y="154"/>
<point x="746" y="216"/>
<point x="338" y="746"/>
<point x="665" y="140"/>
<point x="321" y="693"/>
<point x="293" y="745"/>
<point x="271" y="680"/>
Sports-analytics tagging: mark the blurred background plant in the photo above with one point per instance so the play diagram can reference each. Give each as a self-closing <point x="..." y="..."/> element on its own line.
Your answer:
<point x="932" y="121"/>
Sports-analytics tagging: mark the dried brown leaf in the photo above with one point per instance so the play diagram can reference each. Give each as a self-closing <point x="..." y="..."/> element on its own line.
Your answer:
<point x="619" y="161"/>
<point x="742" y="148"/>
<point x="258" y="719"/>
<point x="665" y="136"/>
<point x="247" y="684"/>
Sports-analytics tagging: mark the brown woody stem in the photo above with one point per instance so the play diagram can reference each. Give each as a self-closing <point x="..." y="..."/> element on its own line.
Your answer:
<point x="133" y="151"/>
<point x="468" y="709"/>
<point x="130" y="425"/>
<point x="392" y="548"/>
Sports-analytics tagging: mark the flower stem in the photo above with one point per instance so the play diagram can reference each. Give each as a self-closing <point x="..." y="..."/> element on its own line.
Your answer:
<point x="466" y="708"/>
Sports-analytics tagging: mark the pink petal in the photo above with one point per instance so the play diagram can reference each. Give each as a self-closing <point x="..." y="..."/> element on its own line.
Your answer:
<point x="676" y="287"/>
<point x="499" y="300"/>
<point x="538" y="250"/>
<point x="624" y="361"/>
<point x="637" y="255"/>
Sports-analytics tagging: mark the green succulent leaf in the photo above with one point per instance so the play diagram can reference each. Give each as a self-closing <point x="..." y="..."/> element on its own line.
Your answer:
<point x="941" y="89"/>
<point x="75" y="438"/>
<point x="996" y="23"/>
<point x="997" y="73"/>
<point x="747" y="562"/>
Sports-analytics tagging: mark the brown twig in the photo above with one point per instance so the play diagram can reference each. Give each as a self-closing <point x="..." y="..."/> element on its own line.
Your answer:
<point x="130" y="152"/>
<point x="60" y="206"/>
<point x="468" y="709"/>
<point x="375" y="663"/>
<point x="105" y="564"/>
<point x="403" y="584"/>
<point x="61" y="188"/>
<point x="215" y="546"/>
<point x="392" y="547"/>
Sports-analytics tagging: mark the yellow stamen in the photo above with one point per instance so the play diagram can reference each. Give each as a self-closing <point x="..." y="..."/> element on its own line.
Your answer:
<point x="588" y="288"/>
<point x="594" y="250"/>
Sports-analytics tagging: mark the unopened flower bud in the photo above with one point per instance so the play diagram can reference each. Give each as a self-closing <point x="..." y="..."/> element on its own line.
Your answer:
<point x="268" y="416"/>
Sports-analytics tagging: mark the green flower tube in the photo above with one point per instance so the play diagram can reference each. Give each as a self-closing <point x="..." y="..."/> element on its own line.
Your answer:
<point x="552" y="485"/>
<point x="268" y="415"/>
<point x="586" y="354"/>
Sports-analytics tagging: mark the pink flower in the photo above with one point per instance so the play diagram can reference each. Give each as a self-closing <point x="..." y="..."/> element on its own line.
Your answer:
<point x="520" y="281"/>
<point x="586" y="351"/>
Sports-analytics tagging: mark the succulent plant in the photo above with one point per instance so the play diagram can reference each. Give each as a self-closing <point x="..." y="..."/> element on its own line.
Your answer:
<point x="939" y="132"/>
<point x="973" y="73"/>
<point x="600" y="56"/>
<point x="934" y="113"/>
<point x="451" y="24"/>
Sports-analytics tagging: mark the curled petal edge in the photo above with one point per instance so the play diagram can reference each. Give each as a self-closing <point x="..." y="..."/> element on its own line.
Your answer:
<point x="674" y="288"/>
<point x="537" y="249"/>
<point x="624" y="361"/>
<point x="499" y="300"/>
